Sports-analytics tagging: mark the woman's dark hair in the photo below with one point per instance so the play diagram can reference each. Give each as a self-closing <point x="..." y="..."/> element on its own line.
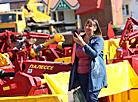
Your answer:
<point x="94" y="23"/>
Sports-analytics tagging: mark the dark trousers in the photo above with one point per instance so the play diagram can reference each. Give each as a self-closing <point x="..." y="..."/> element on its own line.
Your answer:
<point x="84" y="81"/>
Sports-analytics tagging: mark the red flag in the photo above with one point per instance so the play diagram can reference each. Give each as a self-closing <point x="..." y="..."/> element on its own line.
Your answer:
<point x="110" y="33"/>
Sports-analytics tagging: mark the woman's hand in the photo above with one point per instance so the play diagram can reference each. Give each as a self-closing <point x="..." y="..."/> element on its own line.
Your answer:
<point x="79" y="40"/>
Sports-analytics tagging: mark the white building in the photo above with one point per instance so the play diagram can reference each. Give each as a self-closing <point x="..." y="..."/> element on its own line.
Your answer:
<point x="130" y="7"/>
<point x="64" y="11"/>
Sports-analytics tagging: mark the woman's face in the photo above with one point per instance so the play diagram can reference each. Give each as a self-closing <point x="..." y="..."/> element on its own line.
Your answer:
<point x="89" y="28"/>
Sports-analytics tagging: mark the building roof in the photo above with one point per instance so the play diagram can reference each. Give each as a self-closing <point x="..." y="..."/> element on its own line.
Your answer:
<point x="73" y="4"/>
<point x="54" y="3"/>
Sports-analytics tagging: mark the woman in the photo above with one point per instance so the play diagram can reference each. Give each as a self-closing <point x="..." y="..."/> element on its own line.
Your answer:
<point x="88" y="70"/>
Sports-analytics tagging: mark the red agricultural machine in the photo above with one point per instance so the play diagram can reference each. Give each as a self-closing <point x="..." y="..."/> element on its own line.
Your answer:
<point x="128" y="50"/>
<point x="23" y="63"/>
<point x="128" y="45"/>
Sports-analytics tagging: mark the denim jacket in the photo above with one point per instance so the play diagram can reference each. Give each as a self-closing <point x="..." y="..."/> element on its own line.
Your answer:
<point x="97" y="68"/>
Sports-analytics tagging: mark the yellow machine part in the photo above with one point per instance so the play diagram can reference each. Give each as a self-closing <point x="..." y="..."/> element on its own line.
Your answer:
<point x="57" y="38"/>
<point x="21" y="24"/>
<point x="110" y="47"/>
<point x="126" y="96"/>
<point x="4" y="61"/>
<point x="39" y="16"/>
<point x="18" y="25"/>
<point x="9" y="25"/>
<point x="36" y="98"/>
<point x="64" y="60"/>
<point x="32" y="53"/>
<point x="121" y="78"/>
<point x="58" y="83"/>
<point x="51" y="28"/>
<point x="60" y="45"/>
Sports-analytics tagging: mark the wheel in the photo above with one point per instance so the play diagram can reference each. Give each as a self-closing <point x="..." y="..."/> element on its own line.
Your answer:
<point x="46" y="31"/>
<point x="54" y="31"/>
<point x="26" y="29"/>
<point x="61" y="29"/>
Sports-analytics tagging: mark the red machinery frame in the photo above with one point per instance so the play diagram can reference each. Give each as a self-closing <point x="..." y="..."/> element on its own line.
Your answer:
<point x="27" y="70"/>
<point x="129" y="49"/>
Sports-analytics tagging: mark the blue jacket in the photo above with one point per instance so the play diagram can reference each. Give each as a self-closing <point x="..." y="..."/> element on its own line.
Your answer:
<point x="97" y="69"/>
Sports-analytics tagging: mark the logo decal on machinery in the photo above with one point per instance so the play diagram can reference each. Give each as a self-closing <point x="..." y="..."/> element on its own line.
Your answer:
<point x="12" y="86"/>
<point x="29" y="70"/>
<point x="46" y="67"/>
<point x="6" y="88"/>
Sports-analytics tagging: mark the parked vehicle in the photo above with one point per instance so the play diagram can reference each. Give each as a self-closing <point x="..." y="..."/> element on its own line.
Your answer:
<point x="34" y="16"/>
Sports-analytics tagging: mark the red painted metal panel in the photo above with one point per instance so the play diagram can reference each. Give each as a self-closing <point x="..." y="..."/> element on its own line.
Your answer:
<point x="23" y="84"/>
<point x="89" y="6"/>
<point x="37" y="68"/>
<point x="134" y="63"/>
